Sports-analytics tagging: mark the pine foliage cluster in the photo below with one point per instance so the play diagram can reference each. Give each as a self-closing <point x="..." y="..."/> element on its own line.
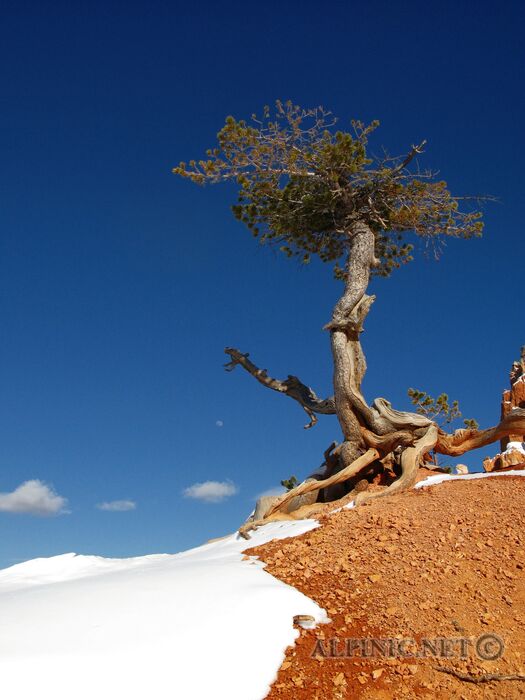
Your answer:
<point x="438" y="409"/>
<point x="302" y="183"/>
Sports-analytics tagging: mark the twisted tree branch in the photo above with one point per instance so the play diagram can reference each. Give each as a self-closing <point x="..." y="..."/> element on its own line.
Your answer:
<point x="291" y="386"/>
<point x="388" y="443"/>
<point x="462" y="441"/>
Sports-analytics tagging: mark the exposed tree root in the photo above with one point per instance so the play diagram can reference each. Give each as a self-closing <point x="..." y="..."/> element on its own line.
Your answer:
<point x="350" y="471"/>
<point x="388" y="443"/>
<point x="411" y="460"/>
<point x="302" y="513"/>
<point x="485" y="678"/>
<point x="465" y="440"/>
<point x="415" y="446"/>
<point x="277" y="506"/>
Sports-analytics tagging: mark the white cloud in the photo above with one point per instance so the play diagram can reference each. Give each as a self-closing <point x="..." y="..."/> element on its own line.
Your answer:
<point x="211" y="491"/>
<point x="117" y="506"/>
<point x="33" y="497"/>
<point x="219" y="423"/>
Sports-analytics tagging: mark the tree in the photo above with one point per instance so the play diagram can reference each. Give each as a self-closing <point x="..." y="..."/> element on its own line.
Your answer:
<point x="290" y="483"/>
<point x="439" y="410"/>
<point x="311" y="189"/>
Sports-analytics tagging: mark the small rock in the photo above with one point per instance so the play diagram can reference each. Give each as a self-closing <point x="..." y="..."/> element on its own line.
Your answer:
<point x="305" y="621"/>
<point x="340" y="679"/>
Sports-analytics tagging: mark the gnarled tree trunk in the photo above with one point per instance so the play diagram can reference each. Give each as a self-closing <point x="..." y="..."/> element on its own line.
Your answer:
<point x="362" y="425"/>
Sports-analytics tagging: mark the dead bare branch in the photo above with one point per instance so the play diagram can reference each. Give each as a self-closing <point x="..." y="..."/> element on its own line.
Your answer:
<point x="291" y="386"/>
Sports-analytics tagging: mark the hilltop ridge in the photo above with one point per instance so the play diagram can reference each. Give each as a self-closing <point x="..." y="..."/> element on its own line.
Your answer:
<point x="446" y="561"/>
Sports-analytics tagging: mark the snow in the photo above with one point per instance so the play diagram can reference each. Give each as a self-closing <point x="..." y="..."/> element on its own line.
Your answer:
<point x="199" y="624"/>
<point x="516" y="446"/>
<point x="440" y="478"/>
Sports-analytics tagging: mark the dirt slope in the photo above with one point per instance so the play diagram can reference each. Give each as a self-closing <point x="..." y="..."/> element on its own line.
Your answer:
<point x="441" y="562"/>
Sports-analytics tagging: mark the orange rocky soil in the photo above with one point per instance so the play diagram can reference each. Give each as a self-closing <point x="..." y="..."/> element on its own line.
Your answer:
<point x="446" y="562"/>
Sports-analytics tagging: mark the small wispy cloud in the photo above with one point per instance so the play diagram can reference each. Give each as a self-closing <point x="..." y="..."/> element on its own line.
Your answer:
<point x="219" y="423"/>
<point x="33" y="497"/>
<point x="211" y="491"/>
<point x="275" y="491"/>
<point x="117" y="506"/>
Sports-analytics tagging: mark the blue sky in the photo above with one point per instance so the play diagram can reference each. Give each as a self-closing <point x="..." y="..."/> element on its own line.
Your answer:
<point x="121" y="284"/>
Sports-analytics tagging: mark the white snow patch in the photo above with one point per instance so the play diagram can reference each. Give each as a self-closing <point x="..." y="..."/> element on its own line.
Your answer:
<point x="439" y="478"/>
<point x="196" y="625"/>
<point x="516" y="446"/>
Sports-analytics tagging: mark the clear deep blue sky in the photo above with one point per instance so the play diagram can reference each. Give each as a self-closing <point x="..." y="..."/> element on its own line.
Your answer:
<point x="120" y="284"/>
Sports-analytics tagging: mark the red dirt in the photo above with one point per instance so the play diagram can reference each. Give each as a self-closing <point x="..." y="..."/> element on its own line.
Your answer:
<point x="445" y="561"/>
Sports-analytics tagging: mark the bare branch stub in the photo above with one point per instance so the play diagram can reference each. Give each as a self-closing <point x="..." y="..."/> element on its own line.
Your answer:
<point x="414" y="151"/>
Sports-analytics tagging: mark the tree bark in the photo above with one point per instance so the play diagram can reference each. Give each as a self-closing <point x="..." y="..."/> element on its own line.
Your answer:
<point x="364" y="426"/>
<point x="348" y="358"/>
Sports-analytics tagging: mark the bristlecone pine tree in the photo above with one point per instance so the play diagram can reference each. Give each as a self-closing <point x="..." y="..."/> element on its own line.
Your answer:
<point x="311" y="189"/>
